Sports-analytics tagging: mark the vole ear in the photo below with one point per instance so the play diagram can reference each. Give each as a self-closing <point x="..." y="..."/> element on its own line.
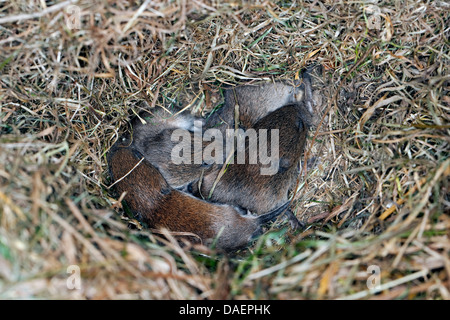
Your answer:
<point x="187" y="188"/>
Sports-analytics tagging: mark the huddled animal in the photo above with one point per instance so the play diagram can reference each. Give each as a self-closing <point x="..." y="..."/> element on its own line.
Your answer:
<point x="156" y="188"/>
<point x="244" y="185"/>
<point x="153" y="201"/>
<point x="258" y="100"/>
<point x="153" y="138"/>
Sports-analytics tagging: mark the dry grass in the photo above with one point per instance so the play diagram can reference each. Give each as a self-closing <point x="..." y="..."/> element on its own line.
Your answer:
<point x="377" y="196"/>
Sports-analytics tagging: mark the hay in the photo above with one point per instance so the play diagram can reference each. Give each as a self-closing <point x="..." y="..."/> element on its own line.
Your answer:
<point x="376" y="196"/>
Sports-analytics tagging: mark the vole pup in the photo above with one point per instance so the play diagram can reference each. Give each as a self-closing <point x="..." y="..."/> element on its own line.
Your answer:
<point x="256" y="101"/>
<point x="243" y="185"/>
<point x="157" y="204"/>
<point x="154" y="139"/>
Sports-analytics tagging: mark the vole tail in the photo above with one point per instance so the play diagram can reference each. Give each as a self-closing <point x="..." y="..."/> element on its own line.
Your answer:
<point x="272" y="215"/>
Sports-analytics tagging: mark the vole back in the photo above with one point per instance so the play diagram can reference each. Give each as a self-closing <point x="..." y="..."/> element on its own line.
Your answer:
<point x="244" y="185"/>
<point x="256" y="101"/>
<point x="157" y="204"/>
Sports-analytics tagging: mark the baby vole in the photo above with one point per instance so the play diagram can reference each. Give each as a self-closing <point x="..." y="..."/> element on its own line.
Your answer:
<point x="156" y="139"/>
<point x="156" y="203"/>
<point x="243" y="184"/>
<point x="256" y="101"/>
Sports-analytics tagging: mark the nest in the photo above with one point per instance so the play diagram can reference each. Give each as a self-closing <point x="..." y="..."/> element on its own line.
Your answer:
<point x="374" y="191"/>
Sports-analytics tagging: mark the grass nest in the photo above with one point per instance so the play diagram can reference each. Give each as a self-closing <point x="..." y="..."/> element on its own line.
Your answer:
<point x="376" y="200"/>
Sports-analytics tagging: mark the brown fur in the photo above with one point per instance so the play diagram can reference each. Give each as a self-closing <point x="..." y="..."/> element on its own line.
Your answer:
<point x="256" y="101"/>
<point x="280" y="105"/>
<point x="157" y="204"/>
<point x="153" y="140"/>
<point x="243" y="185"/>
